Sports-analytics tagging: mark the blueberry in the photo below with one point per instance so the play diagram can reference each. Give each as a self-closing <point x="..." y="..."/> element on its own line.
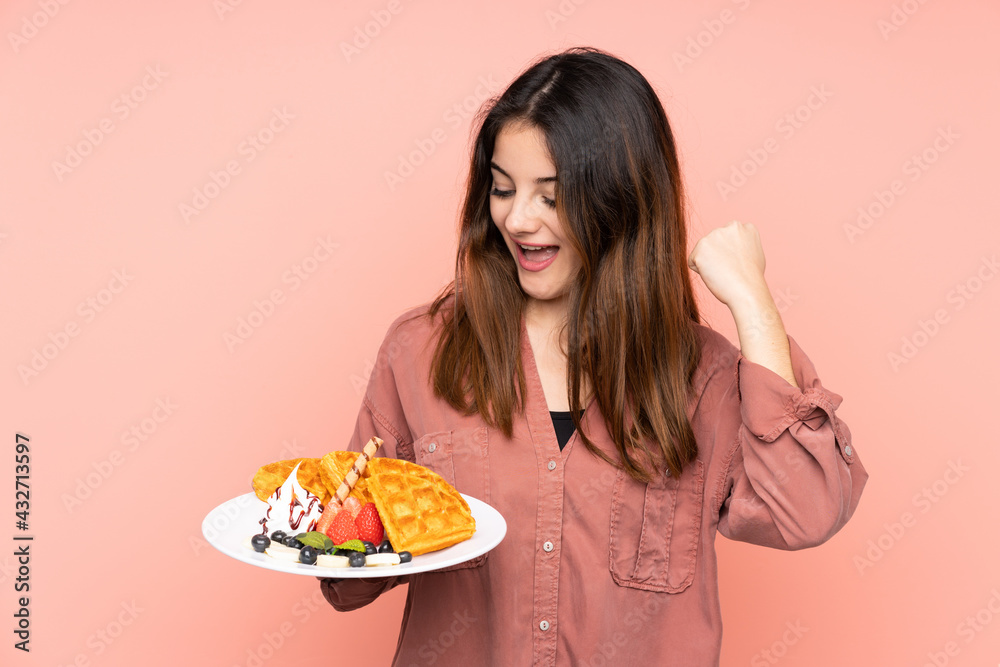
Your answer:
<point x="385" y="547"/>
<point x="290" y="541"/>
<point x="405" y="556"/>
<point x="308" y="555"/>
<point x="279" y="536"/>
<point x="369" y="548"/>
<point x="343" y="552"/>
<point x="260" y="543"/>
<point x="356" y="559"/>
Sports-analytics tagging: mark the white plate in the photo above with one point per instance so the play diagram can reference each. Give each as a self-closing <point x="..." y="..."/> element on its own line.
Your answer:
<point x="228" y="526"/>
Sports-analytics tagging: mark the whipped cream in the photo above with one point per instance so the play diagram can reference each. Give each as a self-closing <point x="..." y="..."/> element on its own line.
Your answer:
<point x="291" y="508"/>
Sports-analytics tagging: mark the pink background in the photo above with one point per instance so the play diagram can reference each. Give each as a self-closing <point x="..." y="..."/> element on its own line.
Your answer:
<point x="895" y="587"/>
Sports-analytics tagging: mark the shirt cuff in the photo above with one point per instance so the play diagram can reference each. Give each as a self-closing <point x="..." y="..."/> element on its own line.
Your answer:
<point x="769" y="404"/>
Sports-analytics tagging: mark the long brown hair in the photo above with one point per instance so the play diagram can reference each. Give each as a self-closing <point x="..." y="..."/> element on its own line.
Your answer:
<point x="632" y="313"/>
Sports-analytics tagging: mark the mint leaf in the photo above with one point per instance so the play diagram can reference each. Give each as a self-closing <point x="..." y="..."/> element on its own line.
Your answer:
<point x="353" y="545"/>
<point x="315" y="539"/>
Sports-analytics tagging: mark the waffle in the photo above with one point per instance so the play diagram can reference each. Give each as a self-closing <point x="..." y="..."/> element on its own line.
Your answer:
<point x="269" y="477"/>
<point x="334" y="467"/>
<point x="421" y="511"/>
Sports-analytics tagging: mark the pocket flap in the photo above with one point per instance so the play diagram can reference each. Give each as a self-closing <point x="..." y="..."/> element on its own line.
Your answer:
<point x="656" y="529"/>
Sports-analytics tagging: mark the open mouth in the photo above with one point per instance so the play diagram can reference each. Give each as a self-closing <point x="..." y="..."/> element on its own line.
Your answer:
<point x="536" y="257"/>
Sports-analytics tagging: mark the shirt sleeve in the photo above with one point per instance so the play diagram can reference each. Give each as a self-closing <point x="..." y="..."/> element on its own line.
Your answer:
<point x="381" y="415"/>
<point x="793" y="478"/>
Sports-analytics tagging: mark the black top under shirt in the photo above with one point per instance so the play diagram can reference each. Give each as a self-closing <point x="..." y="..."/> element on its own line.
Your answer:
<point x="562" y="422"/>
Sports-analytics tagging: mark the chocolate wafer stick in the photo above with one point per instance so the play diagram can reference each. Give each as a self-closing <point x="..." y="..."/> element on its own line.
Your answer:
<point x="355" y="472"/>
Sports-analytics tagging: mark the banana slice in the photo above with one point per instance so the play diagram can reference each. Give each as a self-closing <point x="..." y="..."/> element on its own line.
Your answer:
<point x="377" y="560"/>
<point x="327" y="560"/>
<point x="281" y="552"/>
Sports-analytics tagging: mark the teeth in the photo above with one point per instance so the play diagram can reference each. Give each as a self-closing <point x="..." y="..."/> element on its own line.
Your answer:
<point x="532" y="247"/>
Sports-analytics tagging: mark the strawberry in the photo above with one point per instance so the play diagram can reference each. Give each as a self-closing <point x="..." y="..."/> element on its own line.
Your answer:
<point x="354" y="505"/>
<point x="342" y="528"/>
<point x="369" y="524"/>
<point x="326" y="519"/>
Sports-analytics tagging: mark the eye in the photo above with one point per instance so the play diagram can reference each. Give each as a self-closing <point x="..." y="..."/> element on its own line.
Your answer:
<point x="503" y="194"/>
<point x="551" y="203"/>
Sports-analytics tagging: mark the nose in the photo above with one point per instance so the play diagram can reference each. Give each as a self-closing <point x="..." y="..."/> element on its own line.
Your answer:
<point x="525" y="216"/>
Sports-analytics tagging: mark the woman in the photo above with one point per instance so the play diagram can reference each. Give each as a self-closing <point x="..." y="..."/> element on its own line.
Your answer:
<point x="565" y="379"/>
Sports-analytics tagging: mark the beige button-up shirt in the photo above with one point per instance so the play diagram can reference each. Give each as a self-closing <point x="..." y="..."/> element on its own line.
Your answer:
<point x="596" y="568"/>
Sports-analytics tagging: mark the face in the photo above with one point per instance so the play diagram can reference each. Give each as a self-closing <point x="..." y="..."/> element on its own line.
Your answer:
<point x="523" y="207"/>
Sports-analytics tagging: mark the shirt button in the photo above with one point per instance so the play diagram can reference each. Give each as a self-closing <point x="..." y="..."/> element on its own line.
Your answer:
<point x="552" y="465"/>
<point x="548" y="546"/>
<point x="848" y="450"/>
<point x="431" y="447"/>
<point x="544" y="625"/>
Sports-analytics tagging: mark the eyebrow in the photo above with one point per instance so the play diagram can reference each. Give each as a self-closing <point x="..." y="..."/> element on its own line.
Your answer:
<point x="540" y="180"/>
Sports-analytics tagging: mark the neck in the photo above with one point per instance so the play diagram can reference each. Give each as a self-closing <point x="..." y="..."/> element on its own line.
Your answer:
<point x="545" y="322"/>
<point x="546" y="315"/>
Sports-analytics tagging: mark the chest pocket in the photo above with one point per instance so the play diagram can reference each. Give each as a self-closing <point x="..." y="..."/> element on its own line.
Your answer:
<point x="462" y="458"/>
<point x="656" y="530"/>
